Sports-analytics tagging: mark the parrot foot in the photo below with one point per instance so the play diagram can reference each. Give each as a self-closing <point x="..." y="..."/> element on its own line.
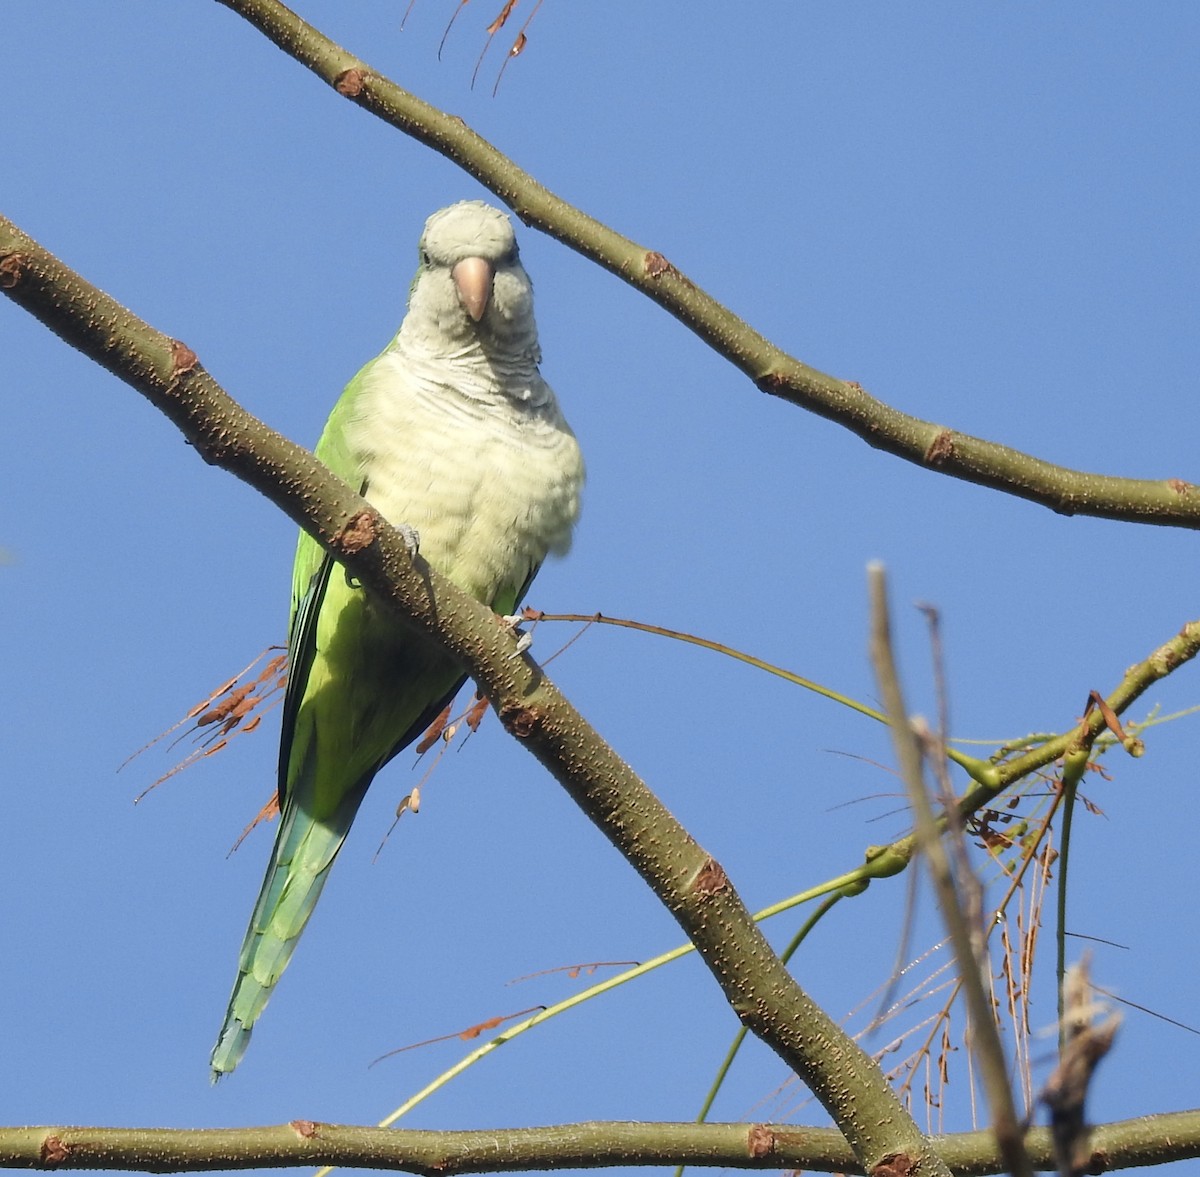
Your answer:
<point x="512" y="622"/>
<point x="411" y="537"/>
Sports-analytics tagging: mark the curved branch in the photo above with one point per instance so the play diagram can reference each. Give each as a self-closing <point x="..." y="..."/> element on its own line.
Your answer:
<point x="690" y="883"/>
<point x="1167" y="502"/>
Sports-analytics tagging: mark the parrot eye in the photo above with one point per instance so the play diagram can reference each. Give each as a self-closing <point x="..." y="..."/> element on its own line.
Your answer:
<point x="426" y="260"/>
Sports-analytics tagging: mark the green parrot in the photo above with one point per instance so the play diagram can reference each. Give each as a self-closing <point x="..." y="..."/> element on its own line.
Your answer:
<point x="453" y="434"/>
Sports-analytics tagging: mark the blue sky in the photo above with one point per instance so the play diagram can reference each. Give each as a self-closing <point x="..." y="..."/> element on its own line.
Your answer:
<point x="984" y="214"/>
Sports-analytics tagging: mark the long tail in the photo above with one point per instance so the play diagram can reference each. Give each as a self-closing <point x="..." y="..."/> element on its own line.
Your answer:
<point x="304" y="851"/>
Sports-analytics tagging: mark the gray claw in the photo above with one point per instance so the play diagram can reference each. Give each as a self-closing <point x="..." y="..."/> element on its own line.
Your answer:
<point x="411" y="537"/>
<point x="512" y="621"/>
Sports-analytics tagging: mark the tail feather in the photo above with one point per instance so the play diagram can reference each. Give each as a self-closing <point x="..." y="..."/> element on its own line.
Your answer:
<point x="343" y="733"/>
<point x="304" y="852"/>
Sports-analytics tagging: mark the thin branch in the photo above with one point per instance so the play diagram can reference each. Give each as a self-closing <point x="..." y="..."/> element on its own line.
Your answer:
<point x="982" y="771"/>
<point x="1084" y="1040"/>
<point x="1172" y="1136"/>
<point x="690" y="883"/>
<point x="1167" y="502"/>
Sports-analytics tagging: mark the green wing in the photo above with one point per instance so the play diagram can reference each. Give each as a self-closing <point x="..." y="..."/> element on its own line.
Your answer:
<point x="361" y="687"/>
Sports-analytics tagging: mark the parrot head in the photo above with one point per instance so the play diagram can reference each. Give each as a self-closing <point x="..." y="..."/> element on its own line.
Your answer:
<point x="470" y="284"/>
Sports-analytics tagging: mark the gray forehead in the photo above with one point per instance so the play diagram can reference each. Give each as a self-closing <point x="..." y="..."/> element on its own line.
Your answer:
<point x="468" y="229"/>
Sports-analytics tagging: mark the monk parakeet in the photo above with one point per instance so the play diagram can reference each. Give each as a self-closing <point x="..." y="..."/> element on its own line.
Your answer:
<point x="453" y="433"/>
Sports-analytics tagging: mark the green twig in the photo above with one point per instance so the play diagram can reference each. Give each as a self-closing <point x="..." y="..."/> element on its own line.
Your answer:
<point x="1074" y="767"/>
<point x="981" y="771"/>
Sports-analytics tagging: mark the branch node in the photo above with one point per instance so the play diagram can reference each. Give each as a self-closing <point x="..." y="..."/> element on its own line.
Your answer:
<point x="358" y="533"/>
<point x="12" y="269"/>
<point x="305" y="1129"/>
<point x="54" y="1152"/>
<point x="940" y="448"/>
<point x="773" y="383"/>
<point x="521" y="721"/>
<point x="183" y="359"/>
<point x="1181" y="488"/>
<point x="656" y="265"/>
<point x="711" y="880"/>
<point x="350" y="82"/>
<point x="896" y="1164"/>
<point x="761" y="1140"/>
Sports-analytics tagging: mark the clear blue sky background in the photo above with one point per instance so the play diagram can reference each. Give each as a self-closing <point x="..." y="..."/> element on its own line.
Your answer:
<point x="985" y="214"/>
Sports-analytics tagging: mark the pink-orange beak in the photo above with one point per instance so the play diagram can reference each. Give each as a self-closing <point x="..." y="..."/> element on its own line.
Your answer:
<point x="473" y="279"/>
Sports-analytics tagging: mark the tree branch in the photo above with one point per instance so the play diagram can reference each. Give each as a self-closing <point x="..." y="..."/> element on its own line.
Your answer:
<point x="690" y="883"/>
<point x="1167" y="502"/>
<point x="1125" y="1144"/>
<point x="1078" y="741"/>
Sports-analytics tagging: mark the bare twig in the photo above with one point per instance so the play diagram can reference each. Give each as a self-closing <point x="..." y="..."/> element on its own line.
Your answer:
<point x="1084" y="1043"/>
<point x="985" y="1038"/>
